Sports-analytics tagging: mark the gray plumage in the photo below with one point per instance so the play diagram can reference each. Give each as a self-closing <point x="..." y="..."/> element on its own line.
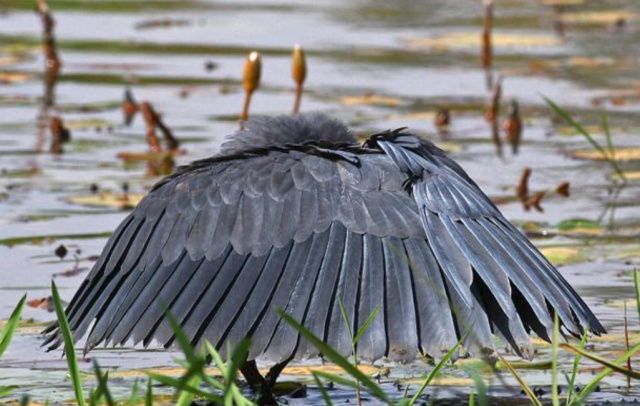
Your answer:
<point x="293" y="214"/>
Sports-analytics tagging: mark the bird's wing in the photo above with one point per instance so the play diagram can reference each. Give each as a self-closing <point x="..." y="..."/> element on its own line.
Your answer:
<point x="497" y="280"/>
<point x="224" y="242"/>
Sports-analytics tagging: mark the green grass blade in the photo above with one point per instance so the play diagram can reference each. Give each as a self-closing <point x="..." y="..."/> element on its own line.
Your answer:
<point x="571" y="383"/>
<point x="365" y="326"/>
<point x="237" y="358"/>
<point x="7" y="390"/>
<point x="606" y="363"/>
<point x="322" y="389"/>
<point x="591" y="386"/>
<point x="345" y="319"/>
<point x="581" y="130"/>
<point x="69" y="350"/>
<point x="181" y="338"/>
<point x="103" y="385"/>
<point x="185" y="397"/>
<point x="472" y="399"/>
<point x="217" y="360"/>
<point x="607" y="133"/>
<point x="555" y="338"/>
<point x="135" y="391"/>
<point x="336" y="358"/>
<point x="527" y="390"/>
<point x="577" y="126"/>
<point x="436" y="369"/>
<point x="148" y="397"/>
<point x="10" y="328"/>
<point x="636" y="283"/>
<point x="481" y="388"/>
<point x="232" y="391"/>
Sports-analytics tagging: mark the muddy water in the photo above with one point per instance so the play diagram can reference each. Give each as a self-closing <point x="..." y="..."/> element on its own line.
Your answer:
<point x="375" y="64"/>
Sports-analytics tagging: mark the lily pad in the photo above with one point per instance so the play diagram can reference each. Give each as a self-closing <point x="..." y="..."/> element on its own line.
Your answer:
<point x="619" y="154"/>
<point x="108" y="199"/>
<point x="630" y="175"/>
<point x="13" y="77"/>
<point x="88" y="123"/>
<point x="457" y="40"/>
<point x="370" y="100"/>
<point x="562" y="255"/>
<point x="600" y="17"/>
<point x="580" y="226"/>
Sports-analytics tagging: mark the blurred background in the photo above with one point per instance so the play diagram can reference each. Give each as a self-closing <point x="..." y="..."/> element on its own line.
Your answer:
<point x="100" y="98"/>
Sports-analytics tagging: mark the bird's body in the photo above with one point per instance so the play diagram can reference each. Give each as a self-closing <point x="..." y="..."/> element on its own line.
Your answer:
<point x="293" y="214"/>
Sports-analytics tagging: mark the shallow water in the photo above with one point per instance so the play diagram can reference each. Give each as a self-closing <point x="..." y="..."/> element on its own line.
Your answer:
<point x="415" y="55"/>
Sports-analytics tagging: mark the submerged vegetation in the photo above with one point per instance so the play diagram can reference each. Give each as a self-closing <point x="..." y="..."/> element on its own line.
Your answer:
<point x="71" y="169"/>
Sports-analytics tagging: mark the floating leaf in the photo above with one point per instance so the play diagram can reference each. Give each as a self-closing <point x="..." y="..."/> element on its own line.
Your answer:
<point x="619" y="154"/>
<point x="562" y="2"/>
<point x="457" y="40"/>
<point x="370" y="100"/>
<point x="108" y="199"/>
<point x="580" y="226"/>
<point x="88" y="123"/>
<point x="600" y="17"/>
<point x="415" y="115"/>
<point x="13" y="77"/>
<point x="332" y="369"/>
<point x="562" y="255"/>
<point x="630" y="175"/>
<point x="149" y="155"/>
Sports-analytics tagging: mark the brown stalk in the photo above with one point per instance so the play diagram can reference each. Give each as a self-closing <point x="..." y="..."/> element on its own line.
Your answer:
<point x="563" y="189"/>
<point x="442" y="118"/>
<point x="129" y="107"/>
<point x="250" y="81"/>
<point x="512" y="126"/>
<point x="523" y="186"/>
<point x="493" y="114"/>
<point x="153" y="120"/>
<point x="149" y="119"/>
<point x="487" y="24"/>
<point x="52" y="62"/>
<point x="535" y="201"/>
<point x="59" y="135"/>
<point x="299" y="74"/>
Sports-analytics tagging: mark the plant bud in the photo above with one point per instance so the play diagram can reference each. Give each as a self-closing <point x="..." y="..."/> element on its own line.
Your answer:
<point x="298" y="65"/>
<point x="251" y="72"/>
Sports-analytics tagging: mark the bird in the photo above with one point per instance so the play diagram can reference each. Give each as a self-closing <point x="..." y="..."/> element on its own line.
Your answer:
<point x="293" y="213"/>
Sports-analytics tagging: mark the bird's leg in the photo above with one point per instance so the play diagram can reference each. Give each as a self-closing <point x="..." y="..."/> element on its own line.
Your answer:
<point x="250" y="372"/>
<point x="274" y="372"/>
<point x="263" y="386"/>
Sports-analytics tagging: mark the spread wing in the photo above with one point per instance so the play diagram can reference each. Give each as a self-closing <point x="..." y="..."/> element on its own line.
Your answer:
<point x="224" y="242"/>
<point x="497" y="280"/>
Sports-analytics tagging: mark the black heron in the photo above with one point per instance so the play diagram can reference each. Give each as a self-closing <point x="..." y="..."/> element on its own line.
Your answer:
<point x="294" y="214"/>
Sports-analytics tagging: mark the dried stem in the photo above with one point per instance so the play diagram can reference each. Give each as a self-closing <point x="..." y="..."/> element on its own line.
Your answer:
<point x="153" y="120"/>
<point x="493" y="115"/>
<point x="52" y="62"/>
<point x="512" y="126"/>
<point x="149" y="120"/>
<point x="487" y="24"/>
<point x="59" y="135"/>
<point x="129" y="107"/>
